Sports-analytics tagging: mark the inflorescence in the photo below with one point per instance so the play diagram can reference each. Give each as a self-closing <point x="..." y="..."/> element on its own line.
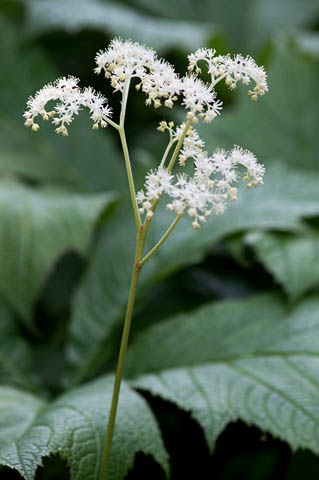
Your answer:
<point x="212" y="183"/>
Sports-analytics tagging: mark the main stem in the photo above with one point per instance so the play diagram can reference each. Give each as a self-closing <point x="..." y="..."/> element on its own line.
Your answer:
<point x="122" y="354"/>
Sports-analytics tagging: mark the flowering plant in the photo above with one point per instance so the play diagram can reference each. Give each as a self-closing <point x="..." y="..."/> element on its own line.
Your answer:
<point x="215" y="174"/>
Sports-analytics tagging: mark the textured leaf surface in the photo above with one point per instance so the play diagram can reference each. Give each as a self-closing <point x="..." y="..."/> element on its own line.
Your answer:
<point x="15" y="353"/>
<point x="292" y="259"/>
<point x="74" y="426"/>
<point x="250" y="359"/>
<point x="101" y="298"/>
<point x="116" y="19"/>
<point x="37" y="226"/>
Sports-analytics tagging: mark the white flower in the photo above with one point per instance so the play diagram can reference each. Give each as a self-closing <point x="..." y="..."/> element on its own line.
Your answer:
<point x="71" y="98"/>
<point x="125" y="59"/>
<point x="200" y="99"/>
<point x="207" y="190"/>
<point x="233" y="68"/>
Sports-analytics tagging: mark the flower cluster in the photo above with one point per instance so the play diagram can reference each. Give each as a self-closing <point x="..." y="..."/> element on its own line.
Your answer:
<point x="208" y="189"/>
<point x="233" y="69"/>
<point x="200" y="99"/>
<point x="125" y="60"/>
<point x="71" y="98"/>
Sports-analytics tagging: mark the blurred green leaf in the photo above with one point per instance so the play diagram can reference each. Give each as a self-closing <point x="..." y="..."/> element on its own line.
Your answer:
<point x="247" y="23"/>
<point x="292" y="259"/>
<point x="249" y="359"/>
<point x="36" y="227"/>
<point x="15" y="352"/>
<point x="116" y="19"/>
<point x="283" y="124"/>
<point x="74" y="426"/>
<point x="93" y="164"/>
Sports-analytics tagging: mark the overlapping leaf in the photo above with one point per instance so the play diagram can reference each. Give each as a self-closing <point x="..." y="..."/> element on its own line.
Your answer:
<point x="36" y="226"/>
<point x="250" y="359"/>
<point x="292" y="259"/>
<point x="100" y="301"/>
<point x="74" y="426"/>
<point x="15" y="352"/>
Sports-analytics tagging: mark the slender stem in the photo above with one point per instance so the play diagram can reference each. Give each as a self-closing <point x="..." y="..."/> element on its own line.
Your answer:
<point x="129" y="172"/>
<point x="179" y="144"/>
<point x="113" y="124"/>
<point x="121" y="358"/>
<point x="162" y="240"/>
<point x="167" y="150"/>
<point x="130" y="178"/>
<point x="126" y="89"/>
<point x="218" y="79"/>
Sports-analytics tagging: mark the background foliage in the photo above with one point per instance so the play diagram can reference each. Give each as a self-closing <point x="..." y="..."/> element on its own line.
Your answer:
<point x="223" y="368"/>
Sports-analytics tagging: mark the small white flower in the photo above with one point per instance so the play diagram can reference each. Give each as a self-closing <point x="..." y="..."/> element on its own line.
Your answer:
<point x="200" y="98"/>
<point x="126" y="59"/>
<point x="233" y="68"/>
<point x="71" y="98"/>
<point x="207" y="190"/>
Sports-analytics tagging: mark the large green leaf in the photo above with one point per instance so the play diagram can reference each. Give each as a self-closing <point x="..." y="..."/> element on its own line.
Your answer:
<point x="15" y="353"/>
<point x="249" y="359"/>
<point x="93" y="164"/>
<point x="292" y="259"/>
<point x="37" y="226"/>
<point x="116" y="19"/>
<point x="100" y="301"/>
<point x="283" y="124"/>
<point x="247" y="23"/>
<point x="74" y="426"/>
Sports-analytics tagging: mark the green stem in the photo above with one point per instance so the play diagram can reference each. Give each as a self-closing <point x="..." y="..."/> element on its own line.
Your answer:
<point x="179" y="144"/>
<point x="126" y="153"/>
<point x="130" y="178"/>
<point x="162" y="240"/>
<point x="167" y="150"/>
<point x="121" y="358"/>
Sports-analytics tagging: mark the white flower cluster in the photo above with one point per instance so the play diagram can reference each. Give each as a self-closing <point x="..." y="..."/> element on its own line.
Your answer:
<point x="200" y="99"/>
<point x="208" y="189"/>
<point x="71" y="98"/>
<point x="233" y="69"/>
<point x="125" y="59"/>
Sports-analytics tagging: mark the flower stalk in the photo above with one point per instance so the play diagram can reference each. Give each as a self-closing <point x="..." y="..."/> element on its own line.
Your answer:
<point x="199" y="195"/>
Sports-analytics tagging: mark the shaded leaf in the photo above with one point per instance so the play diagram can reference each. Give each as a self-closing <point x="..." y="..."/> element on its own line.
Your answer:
<point x="250" y="359"/>
<point x="15" y="353"/>
<point x="36" y="227"/>
<point x="100" y="301"/>
<point x="292" y="259"/>
<point x="74" y="426"/>
<point x="247" y="23"/>
<point x="115" y="19"/>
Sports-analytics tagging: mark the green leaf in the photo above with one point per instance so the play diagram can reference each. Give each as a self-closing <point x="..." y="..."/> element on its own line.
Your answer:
<point x="100" y="301"/>
<point x="36" y="227"/>
<point x="247" y="23"/>
<point x="250" y="359"/>
<point x="115" y="19"/>
<point x="15" y="353"/>
<point x="292" y="259"/>
<point x="283" y="124"/>
<point x="74" y="426"/>
<point x="93" y="164"/>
